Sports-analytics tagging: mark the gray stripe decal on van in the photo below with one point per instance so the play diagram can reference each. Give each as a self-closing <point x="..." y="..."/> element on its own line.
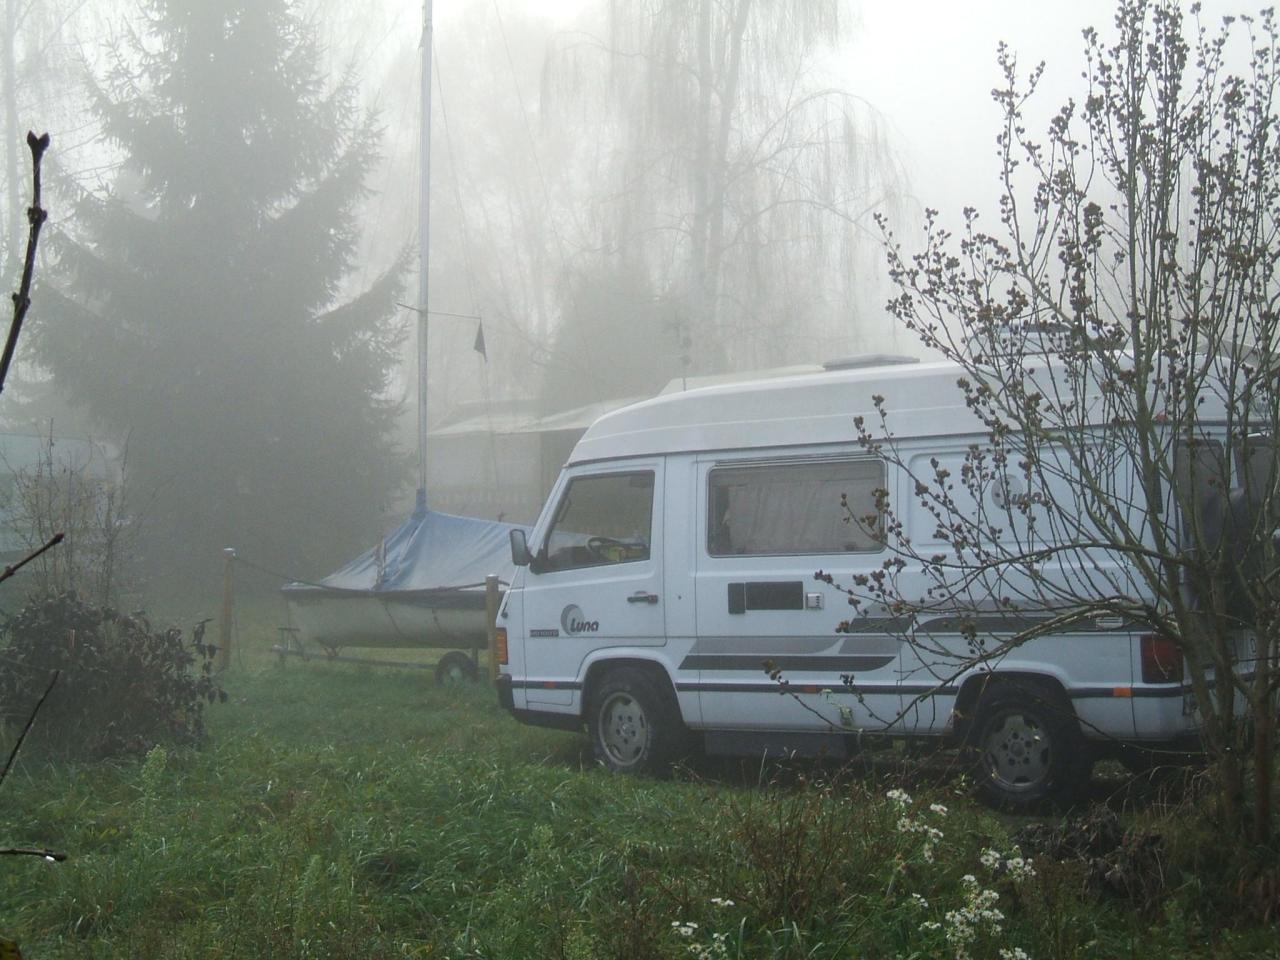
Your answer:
<point x="1109" y="693"/>
<point x="837" y="688"/>
<point x="997" y="624"/>
<point x="897" y="626"/>
<point x="546" y="685"/>
<point x="753" y="662"/>
<point x="906" y="690"/>
<point x="765" y="646"/>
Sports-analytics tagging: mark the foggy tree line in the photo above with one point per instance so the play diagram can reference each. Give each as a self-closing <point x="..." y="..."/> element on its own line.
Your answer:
<point x="664" y="188"/>
<point x="737" y="183"/>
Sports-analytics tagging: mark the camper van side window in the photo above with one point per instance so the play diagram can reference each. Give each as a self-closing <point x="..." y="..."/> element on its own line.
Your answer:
<point x="1255" y="465"/>
<point x="601" y="520"/>
<point x="794" y="508"/>
<point x="1200" y="481"/>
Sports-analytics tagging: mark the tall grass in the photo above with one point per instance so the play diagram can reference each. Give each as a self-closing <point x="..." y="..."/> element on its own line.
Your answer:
<point x="355" y="812"/>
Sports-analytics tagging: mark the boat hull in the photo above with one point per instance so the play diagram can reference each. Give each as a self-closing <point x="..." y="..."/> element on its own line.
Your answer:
<point x="443" y="621"/>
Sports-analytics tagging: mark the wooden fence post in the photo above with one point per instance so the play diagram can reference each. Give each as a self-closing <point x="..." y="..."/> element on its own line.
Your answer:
<point x="491" y="622"/>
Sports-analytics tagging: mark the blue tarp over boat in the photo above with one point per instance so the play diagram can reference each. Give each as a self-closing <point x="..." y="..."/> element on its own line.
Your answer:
<point x="423" y="585"/>
<point x="429" y="552"/>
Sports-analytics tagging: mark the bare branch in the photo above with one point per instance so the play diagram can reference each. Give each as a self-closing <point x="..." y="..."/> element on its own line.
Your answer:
<point x="51" y="855"/>
<point x="36" y="216"/>
<point x="11" y="570"/>
<point x="27" y="727"/>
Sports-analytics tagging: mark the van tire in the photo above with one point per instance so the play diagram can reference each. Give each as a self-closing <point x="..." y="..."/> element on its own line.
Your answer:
<point x="635" y="725"/>
<point x="1027" y="746"/>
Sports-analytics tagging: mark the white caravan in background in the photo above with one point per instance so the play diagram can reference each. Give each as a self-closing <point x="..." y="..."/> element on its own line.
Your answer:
<point x="672" y="571"/>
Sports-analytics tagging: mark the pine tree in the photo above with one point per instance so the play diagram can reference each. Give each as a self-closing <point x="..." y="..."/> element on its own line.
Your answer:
<point x="204" y="312"/>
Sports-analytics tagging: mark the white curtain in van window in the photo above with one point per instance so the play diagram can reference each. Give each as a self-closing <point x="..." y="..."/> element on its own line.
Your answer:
<point x="795" y="508"/>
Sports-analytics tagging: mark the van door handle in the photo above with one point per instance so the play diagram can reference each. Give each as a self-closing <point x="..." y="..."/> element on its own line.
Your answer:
<point x="642" y="597"/>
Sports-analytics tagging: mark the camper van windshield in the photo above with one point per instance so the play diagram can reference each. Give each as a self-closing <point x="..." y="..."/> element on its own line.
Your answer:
<point x="601" y="519"/>
<point x="795" y="508"/>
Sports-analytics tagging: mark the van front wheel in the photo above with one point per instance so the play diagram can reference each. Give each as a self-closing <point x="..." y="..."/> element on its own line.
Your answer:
<point x="1028" y="746"/>
<point x="634" y="727"/>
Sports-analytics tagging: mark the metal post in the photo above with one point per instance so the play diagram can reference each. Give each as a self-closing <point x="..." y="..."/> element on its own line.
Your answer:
<point x="491" y="622"/>
<point x="424" y="247"/>
<point x="228" y="608"/>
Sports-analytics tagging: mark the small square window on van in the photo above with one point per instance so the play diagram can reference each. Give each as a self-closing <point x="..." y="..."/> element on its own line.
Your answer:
<point x="795" y="508"/>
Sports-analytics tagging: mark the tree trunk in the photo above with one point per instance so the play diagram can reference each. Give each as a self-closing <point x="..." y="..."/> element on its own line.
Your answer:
<point x="719" y="166"/>
<point x="702" y="324"/>
<point x="1264" y="739"/>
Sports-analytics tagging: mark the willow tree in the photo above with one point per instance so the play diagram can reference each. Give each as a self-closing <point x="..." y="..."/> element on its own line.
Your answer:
<point x="740" y="184"/>
<point x="206" y="310"/>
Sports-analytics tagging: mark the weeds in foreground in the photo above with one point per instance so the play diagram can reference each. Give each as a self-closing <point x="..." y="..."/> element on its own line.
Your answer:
<point x="345" y="813"/>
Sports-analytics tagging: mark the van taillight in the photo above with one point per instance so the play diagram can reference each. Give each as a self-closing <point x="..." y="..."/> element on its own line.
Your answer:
<point x="1161" y="659"/>
<point x="500" y="645"/>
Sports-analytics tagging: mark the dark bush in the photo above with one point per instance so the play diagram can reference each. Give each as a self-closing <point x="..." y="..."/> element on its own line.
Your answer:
<point x="124" y="685"/>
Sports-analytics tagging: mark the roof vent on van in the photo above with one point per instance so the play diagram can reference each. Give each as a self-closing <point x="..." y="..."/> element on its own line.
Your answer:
<point x="857" y="361"/>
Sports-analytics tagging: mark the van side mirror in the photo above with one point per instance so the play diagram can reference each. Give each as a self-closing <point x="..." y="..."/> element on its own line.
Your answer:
<point x="520" y="554"/>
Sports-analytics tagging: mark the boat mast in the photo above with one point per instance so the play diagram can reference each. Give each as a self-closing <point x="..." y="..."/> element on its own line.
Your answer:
<point x="424" y="249"/>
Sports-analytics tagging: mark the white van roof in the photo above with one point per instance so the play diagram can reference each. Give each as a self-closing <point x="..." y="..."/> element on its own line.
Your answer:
<point x="813" y="408"/>
<point x="921" y="400"/>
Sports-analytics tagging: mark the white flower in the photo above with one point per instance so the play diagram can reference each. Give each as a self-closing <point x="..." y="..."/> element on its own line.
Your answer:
<point x="1019" y="869"/>
<point x="1017" y="953"/>
<point x="685" y="928"/>
<point x="721" y="902"/>
<point x="919" y="901"/>
<point x="939" y="809"/>
<point x="900" y="797"/>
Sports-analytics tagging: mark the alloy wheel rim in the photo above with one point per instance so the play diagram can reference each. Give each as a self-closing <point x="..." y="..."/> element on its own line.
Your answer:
<point x="1016" y="752"/>
<point x="624" y="729"/>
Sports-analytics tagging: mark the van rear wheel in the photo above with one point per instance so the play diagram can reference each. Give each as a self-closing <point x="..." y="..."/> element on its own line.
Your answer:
<point x="1028" y="747"/>
<point x="635" y="726"/>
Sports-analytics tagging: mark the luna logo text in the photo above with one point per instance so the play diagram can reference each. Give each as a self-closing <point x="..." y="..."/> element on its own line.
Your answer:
<point x="573" y="620"/>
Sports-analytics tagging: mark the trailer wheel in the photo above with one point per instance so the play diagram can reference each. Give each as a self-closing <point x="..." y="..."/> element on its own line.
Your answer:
<point x="1028" y="747"/>
<point x="454" y="668"/>
<point x="635" y="728"/>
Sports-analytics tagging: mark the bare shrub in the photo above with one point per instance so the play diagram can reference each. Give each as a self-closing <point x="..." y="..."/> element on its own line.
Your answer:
<point x="80" y="489"/>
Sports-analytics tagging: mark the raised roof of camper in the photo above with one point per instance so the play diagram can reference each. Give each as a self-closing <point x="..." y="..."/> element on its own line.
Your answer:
<point x="812" y="408"/>
<point x="920" y="399"/>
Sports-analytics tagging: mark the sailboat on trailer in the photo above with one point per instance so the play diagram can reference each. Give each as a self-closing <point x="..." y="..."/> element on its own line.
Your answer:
<point x="423" y="584"/>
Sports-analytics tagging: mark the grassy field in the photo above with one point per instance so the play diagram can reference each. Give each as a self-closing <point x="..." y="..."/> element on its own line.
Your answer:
<point x="361" y="812"/>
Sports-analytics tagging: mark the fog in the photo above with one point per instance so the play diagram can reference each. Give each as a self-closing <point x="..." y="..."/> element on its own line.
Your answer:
<point x="611" y="226"/>
<point x="930" y="66"/>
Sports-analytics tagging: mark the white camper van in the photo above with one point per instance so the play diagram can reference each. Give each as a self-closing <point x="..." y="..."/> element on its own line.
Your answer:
<point x="667" y="593"/>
